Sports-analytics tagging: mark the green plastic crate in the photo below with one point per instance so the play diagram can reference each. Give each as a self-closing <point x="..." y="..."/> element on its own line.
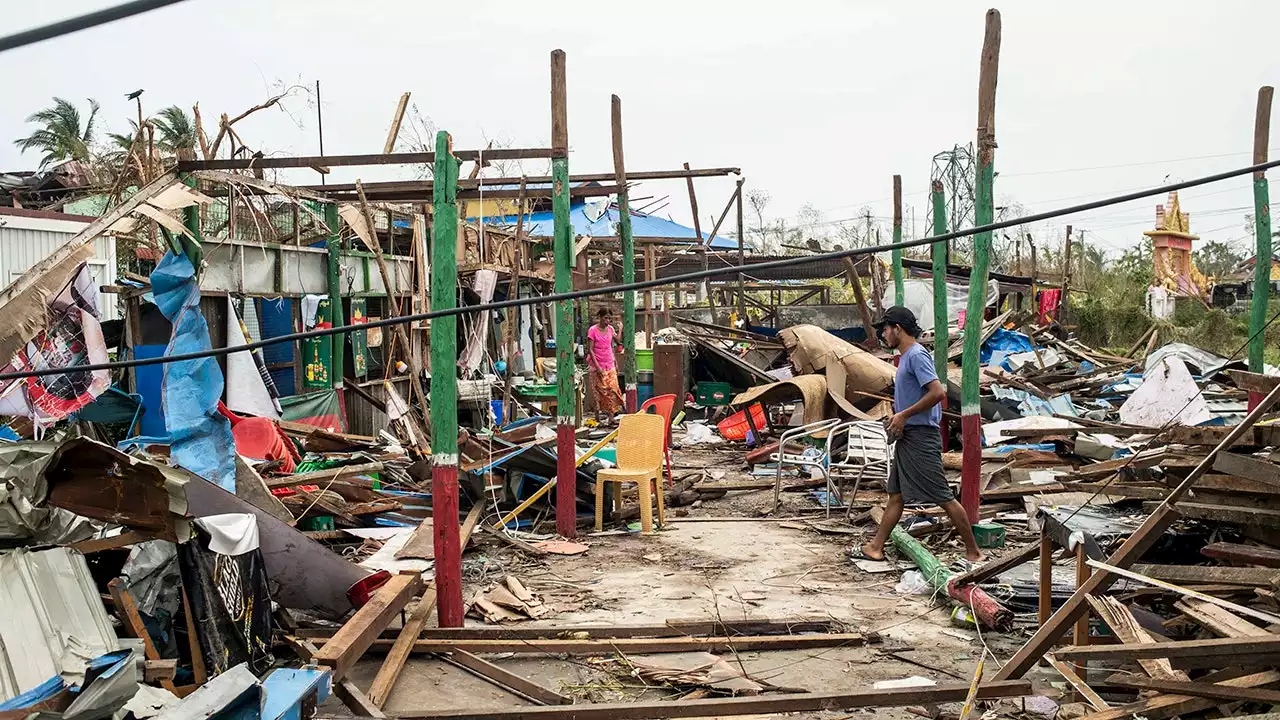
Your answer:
<point x="713" y="393"/>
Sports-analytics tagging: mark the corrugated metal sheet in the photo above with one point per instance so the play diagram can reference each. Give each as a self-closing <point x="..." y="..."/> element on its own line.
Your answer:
<point x="53" y="620"/>
<point x="26" y="241"/>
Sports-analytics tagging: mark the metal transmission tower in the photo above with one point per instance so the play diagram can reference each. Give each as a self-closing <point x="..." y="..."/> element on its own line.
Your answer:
<point x="955" y="169"/>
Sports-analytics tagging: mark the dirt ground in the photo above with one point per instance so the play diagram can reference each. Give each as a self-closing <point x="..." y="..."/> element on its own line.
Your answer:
<point x="716" y="559"/>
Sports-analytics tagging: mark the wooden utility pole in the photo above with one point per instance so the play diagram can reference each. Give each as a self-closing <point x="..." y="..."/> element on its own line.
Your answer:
<point x="899" y="292"/>
<point x="628" y="260"/>
<point x="333" y="246"/>
<point x="984" y="214"/>
<point x="567" y="395"/>
<point x="941" y="341"/>
<point x="1262" y="232"/>
<point x="1066" y="279"/>
<point x="702" y="250"/>
<point x="444" y="386"/>
<point x="742" y="292"/>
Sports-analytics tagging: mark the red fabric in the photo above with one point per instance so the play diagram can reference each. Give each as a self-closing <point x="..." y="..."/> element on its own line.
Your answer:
<point x="1049" y="302"/>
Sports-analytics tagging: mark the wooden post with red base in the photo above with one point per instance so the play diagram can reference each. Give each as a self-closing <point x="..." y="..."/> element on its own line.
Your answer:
<point x="566" y="468"/>
<point x="984" y="214"/>
<point x="444" y="387"/>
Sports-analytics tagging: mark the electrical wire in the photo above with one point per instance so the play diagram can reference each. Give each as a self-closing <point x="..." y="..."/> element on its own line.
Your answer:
<point x="81" y="22"/>
<point x="657" y="282"/>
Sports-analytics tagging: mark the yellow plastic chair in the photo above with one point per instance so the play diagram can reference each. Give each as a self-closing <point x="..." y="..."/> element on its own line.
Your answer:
<point x="640" y="440"/>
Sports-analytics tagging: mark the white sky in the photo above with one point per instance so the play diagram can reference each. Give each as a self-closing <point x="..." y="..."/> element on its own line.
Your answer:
<point x="818" y="102"/>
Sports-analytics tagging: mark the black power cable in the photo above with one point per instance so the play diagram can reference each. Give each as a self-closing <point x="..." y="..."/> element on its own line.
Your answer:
<point x="81" y="22"/>
<point x="657" y="282"/>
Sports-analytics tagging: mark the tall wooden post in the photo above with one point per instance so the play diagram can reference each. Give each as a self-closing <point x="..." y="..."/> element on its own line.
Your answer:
<point x="444" y="385"/>
<point x="899" y="292"/>
<point x="1262" y="231"/>
<point x="333" y="244"/>
<point x="1063" y="304"/>
<point x="941" y="309"/>
<point x="628" y="260"/>
<point x="742" y="292"/>
<point x="567" y="395"/>
<point x="702" y="249"/>
<point x="984" y="213"/>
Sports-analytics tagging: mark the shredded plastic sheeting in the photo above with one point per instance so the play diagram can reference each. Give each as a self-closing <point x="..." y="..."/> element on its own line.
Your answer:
<point x="201" y="436"/>
<point x="1168" y="394"/>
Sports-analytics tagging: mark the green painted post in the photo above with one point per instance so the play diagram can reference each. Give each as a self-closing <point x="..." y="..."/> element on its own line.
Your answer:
<point x="190" y="244"/>
<point x="984" y="213"/>
<point x="444" y="386"/>
<point x="628" y="261"/>
<point x="899" y="294"/>
<point x="941" y="308"/>
<point x="1262" y="231"/>
<point x="333" y="244"/>
<point x="567" y="397"/>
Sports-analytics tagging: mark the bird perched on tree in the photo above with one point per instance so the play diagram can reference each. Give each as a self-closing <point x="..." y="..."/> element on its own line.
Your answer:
<point x="133" y="95"/>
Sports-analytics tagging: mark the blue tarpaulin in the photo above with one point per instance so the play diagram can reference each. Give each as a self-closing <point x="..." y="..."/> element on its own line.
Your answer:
<point x="201" y="438"/>
<point x="541" y="224"/>
<point x="1006" y="341"/>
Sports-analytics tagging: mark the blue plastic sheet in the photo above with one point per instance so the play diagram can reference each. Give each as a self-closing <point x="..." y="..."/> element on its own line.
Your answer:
<point x="201" y="438"/>
<point x="1008" y="341"/>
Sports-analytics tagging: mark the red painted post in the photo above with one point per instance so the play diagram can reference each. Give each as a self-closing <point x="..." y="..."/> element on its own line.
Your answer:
<point x="566" y="467"/>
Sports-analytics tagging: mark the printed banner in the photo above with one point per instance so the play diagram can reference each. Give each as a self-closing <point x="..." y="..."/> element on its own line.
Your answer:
<point x="317" y="353"/>
<point x="318" y="409"/>
<point x="72" y="337"/>
<point x="359" y="340"/>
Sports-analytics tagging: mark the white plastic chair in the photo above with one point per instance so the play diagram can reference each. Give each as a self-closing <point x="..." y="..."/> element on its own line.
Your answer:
<point x="782" y="457"/>
<point x="866" y="454"/>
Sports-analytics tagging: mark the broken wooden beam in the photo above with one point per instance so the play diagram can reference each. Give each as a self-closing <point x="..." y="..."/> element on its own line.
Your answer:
<point x="385" y="681"/>
<point x="1256" y="577"/>
<point x="991" y="569"/>
<point x="1252" y="516"/>
<point x="1174" y="649"/>
<point x="1160" y="707"/>
<point x="716" y="707"/>
<point x="506" y="679"/>
<point x="1245" y="554"/>
<point x="360" y="632"/>
<point x="1068" y="673"/>
<point x="1244" y="466"/>
<point x="1195" y="689"/>
<point x="317" y="477"/>
<point x="558" y="646"/>
<point x="670" y="628"/>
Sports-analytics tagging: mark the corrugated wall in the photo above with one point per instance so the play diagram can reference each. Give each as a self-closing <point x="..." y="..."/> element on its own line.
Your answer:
<point x="21" y="247"/>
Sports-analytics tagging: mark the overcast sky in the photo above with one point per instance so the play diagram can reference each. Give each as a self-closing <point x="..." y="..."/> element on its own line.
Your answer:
<point x="817" y="102"/>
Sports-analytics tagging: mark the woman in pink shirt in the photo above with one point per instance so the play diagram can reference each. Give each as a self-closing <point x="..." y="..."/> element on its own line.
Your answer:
<point x="600" y="362"/>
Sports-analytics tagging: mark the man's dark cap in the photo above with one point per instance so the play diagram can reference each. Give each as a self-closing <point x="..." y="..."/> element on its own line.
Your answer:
<point x="898" y="315"/>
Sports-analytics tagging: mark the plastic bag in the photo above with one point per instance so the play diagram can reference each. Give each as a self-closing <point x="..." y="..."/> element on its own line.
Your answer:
<point x="913" y="583"/>
<point x="698" y="434"/>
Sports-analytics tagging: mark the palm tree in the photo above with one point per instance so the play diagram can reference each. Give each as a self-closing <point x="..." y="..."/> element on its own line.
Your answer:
<point x="62" y="135"/>
<point x="177" y="130"/>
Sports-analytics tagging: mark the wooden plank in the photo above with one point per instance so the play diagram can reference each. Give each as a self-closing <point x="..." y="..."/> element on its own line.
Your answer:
<point x="1260" y="517"/>
<point x="385" y="681"/>
<point x="319" y="477"/>
<point x="1253" y="382"/>
<point x="716" y="707"/>
<point x="198" y="671"/>
<point x="1160" y="707"/>
<point x="670" y="628"/>
<point x="394" y="132"/>
<point x="1212" y="647"/>
<point x="993" y="568"/>
<point x="1188" y="592"/>
<point x="362" y="630"/>
<point x="1125" y="626"/>
<point x="157" y="670"/>
<point x="1234" y="484"/>
<point x="1255" y="577"/>
<point x="332" y="161"/>
<point x="1218" y="620"/>
<point x="744" y="643"/>
<point x="1196" y="689"/>
<point x="1263" y="471"/>
<point x="1080" y="686"/>
<point x="124" y="539"/>
<point x="507" y="679"/>
<point x="1246" y="554"/>
<point x="132" y="623"/>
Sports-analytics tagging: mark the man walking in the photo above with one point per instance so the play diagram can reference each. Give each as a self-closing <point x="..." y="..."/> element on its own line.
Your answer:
<point x="916" y="477"/>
